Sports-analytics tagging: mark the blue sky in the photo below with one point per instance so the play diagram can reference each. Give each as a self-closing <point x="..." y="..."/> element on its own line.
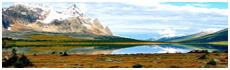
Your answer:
<point x="142" y="20"/>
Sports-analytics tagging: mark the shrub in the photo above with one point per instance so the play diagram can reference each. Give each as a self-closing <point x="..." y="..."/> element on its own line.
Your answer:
<point x="23" y="62"/>
<point x="65" y="54"/>
<point x="217" y="54"/>
<point x="114" y="67"/>
<point x="212" y="62"/>
<point x="198" y="51"/>
<point x="60" y="52"/>
<point x="226" y="51"/>
<point x="17" y="62"/>
<point x="215" y="51"/>
<point x="203" y="57"/>
<point x="35" y="54"/>
<point x="174" y="67"/>
<point x="167" y="52"/>
<point x="137" y="66"/>
<point x="11" y="61"/>
<point x="53" y="52"/>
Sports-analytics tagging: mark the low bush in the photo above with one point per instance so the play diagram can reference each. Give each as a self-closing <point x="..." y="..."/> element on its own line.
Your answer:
<point x="23" y="62"/>
<point x="198" y="51"/>
<point x="203" y="57"/>
<point x="65" y="54"/>
<point x="212" y="62"/>
<point x="215" y="51"/>
<point x="53" y="52"/>
<point x="35" y="54"/>
<point x="60" y="52"/>
<point x="226" y="51"/>
<point x="14" y="61"/>
<point x="174" y="67"/>
<point x="137" y="66"/>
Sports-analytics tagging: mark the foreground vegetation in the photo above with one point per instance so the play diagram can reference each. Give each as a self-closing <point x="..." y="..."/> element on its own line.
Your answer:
<point x="167" y="60"/>
<point x="15" y="61"/>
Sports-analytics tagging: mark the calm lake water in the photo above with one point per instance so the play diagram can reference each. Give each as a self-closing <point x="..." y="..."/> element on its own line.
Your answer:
<point x="127" y="49"/>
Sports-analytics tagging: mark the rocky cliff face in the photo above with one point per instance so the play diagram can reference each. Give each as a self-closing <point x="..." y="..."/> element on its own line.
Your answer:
<point x="22" y="17"/>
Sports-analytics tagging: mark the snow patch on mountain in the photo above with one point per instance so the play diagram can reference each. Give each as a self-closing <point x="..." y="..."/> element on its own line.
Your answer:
<point x="210" y="30"/>
<point x="51" y="13"/>
<point x="171" y="34"/>
<point x="167" y="37"/>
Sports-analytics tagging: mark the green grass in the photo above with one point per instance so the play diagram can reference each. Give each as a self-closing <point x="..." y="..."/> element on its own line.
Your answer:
<point x="219" y="43"/>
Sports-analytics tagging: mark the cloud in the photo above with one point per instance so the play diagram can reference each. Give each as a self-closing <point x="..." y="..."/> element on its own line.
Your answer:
<point x="187" y="8"/>
<point x="127" y="8"/>
<point x="143" y="3"/>
<point x="83" y="7"/>
<point x="201" y="5"/>
<point x="211" y="29"/>
<point x="167" y="31"/>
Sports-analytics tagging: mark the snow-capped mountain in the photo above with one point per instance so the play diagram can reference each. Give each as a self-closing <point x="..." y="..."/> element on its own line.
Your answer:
<point x="182" y="37"/>
<point x="22" y="17"/>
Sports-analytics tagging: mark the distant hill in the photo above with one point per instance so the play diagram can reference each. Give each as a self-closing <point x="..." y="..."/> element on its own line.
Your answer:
<point x="181" y="38"/>
<point x="214" y="37"/>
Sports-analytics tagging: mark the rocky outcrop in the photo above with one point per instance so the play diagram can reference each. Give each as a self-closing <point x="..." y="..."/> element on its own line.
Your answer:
<point x="44" y="18"/>
<point x="97" y="23"/>
<point x="108" y="30"/>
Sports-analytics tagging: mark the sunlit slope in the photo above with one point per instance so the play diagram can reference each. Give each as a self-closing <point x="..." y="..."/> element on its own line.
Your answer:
<point x="66" y="38"/>
<point x="214" y="37"/>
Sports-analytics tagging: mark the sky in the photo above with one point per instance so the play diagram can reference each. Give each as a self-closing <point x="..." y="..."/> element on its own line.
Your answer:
<point x="143" y="20"/>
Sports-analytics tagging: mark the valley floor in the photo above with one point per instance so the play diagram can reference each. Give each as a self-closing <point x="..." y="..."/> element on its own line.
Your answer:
<point x="170" y="60"/>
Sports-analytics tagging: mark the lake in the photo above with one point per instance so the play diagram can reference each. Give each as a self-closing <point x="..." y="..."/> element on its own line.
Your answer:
<point x="120" y="49"/>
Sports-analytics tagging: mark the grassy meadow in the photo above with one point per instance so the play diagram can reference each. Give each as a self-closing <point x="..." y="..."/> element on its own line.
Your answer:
<point x="171" y="60"/>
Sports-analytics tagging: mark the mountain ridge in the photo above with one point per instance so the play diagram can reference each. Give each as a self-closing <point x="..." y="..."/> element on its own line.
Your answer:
<point x="221" y="35"/>
<point x="183" y="37"/>
<point x="24" y="17"/>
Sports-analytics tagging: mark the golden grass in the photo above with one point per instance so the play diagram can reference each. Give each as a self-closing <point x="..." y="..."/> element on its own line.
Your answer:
<point x="184" y="60"/>
<point x="41" y="49"/>
<point x="51" y="37"/>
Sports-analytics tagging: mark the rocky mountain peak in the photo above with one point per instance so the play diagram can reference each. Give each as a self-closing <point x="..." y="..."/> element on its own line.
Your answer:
<point x="73" y="10"/>
<point x="72" y="6"/>
<point x="97" y="23"/>
<point x="108" y="30"/>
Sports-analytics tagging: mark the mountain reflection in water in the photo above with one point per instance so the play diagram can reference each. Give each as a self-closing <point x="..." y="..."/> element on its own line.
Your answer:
<point x="123" y="49"/>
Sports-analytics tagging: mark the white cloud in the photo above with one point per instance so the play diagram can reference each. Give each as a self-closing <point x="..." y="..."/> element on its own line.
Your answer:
<point x="201" y="5"/>
<point x="83" y="7"/>
<point x="167" y="32"/>
<point x="187" y="8"/>
<point x="143" y="3"/>
<point x="127" y="8"/>
<point x="225" y="26"/>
